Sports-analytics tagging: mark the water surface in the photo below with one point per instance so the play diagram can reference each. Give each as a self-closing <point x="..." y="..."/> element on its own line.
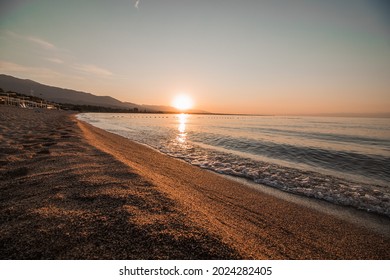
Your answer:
<point x="341" y="160"/>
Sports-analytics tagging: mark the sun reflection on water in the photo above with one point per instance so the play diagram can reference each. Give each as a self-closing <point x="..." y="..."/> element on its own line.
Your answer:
<point x="182" y="135"/>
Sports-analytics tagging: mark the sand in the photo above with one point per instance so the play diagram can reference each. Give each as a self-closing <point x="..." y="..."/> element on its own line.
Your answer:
<point x="73" y="191"/>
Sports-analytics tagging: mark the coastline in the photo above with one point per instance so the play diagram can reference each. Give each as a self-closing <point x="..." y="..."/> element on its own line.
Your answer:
<point x="73" y="191"/>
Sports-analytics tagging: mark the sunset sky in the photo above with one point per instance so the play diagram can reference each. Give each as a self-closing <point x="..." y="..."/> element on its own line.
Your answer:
<point x="263" y="57"/>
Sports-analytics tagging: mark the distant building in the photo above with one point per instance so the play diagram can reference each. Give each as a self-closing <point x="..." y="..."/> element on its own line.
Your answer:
<point x="15" y="99"/>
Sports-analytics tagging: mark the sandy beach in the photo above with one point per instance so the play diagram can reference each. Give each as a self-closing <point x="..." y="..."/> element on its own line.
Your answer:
<point x="73" y="191"/>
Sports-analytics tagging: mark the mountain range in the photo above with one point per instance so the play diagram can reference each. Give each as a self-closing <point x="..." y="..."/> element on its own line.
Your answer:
<point x="69" y="96"/>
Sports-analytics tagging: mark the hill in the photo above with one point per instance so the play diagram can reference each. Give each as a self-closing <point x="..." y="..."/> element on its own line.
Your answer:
<point x="59" y="95"/>
<point x="69" y="96"/>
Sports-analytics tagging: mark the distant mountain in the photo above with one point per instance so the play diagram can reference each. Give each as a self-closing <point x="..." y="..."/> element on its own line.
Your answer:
<point x="68" y="96"/>
<point x="59" y="95"/>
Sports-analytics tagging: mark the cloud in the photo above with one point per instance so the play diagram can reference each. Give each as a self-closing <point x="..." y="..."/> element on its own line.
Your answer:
<point x="18" y="70"/>
<point x="6" y="66"/>
<point x="55" y="60"/>
<point x="93" y="69"/>
<point x="12" y="34"/>
<point x="45" y="76"/>
<point x="136" y="3"/>
<point x="44" y="44"/>
<point x="38" y="41"/>
<point x="57" y="56"/>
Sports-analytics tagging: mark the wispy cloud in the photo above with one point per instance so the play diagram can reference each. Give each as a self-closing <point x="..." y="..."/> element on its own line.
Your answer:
<point x="55" y="60"/>
<point x="43" y="75"/>
<point x="12" y="34"/>
<point x="6" y="66"/>
<point x="56" y="56"/>
<point x="32" y="72"/>
<point x="36" y="40"/>
<point x="44" y="44"/>
<point x="93" y="69"/>
<point x="136" y="3"/>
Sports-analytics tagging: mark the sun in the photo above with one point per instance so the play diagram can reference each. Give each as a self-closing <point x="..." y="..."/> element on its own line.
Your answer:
<point x="182" y="102"/>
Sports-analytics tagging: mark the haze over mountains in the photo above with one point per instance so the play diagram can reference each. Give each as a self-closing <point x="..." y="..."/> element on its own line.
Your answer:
<point x="68" y="96"/>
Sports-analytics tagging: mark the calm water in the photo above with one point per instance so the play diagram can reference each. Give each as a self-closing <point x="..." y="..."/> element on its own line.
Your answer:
<point x="341" y="160"/>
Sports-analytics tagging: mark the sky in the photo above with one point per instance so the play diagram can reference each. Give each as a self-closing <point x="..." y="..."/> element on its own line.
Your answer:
<point x="259" y="57"/>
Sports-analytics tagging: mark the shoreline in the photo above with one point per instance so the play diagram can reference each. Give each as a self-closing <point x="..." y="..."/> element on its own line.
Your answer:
<point x="342" y="175"/>
<point x="146" y="149"/>
<point x="372" y="221"/>
<point x="362" y="217"/>
<point x="84" y="193"/>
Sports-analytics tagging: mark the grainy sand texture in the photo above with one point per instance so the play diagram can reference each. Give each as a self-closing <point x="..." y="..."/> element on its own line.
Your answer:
<point x="72" y="191"/>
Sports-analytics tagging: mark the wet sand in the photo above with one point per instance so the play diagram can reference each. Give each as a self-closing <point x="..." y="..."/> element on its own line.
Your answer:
<point x="73" y="191"/>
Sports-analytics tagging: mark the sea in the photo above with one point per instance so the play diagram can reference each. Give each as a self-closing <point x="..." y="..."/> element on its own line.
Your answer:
<point x="345" y="161"/>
